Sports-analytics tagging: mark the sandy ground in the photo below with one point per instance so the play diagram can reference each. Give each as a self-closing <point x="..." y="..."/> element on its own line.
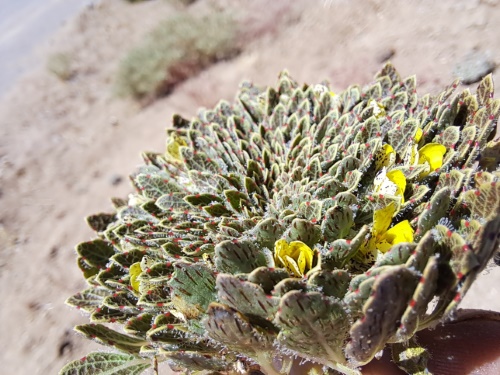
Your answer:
<point x="64" y="145"/>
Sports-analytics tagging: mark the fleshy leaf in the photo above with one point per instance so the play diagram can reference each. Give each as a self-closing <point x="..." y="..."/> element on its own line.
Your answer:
<point x="194" y="284"/>
<point x="246" y="297"/>
<point x="235" y="331"/>
<point x="110" y="337"/>
<point x="369" y="335"/>
<point x="106" y="364"/>
<point x="95" y="253"/>
<point x="313" y="325"/>
<point x="239" y="257"/>
<point x="99" y="222"/>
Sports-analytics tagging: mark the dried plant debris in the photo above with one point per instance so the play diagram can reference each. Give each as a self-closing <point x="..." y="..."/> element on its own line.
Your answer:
<point x="296" y="222"/>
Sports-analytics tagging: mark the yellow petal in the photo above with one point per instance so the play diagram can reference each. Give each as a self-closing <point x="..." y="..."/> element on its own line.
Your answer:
<point x="173" y="146"/>
<point x="418" y="135"/>
<point x="383" y="246"/>
<point x="135" y="270"/>
<point x="382" y="219"/>
<point x="368" y="245"/>
<point x="303" y="250"/>
<point x="382" y="184"/>
<point x="401" y="232"/>
<point x="291" y="266"/>
<point x="296" y="257"/>
<point x="432" y="153"/>
<point x="301" y="263"/>
<point x="385" y="157"/>
<point x="280" y="250"/>
<point x="398" y="177"/>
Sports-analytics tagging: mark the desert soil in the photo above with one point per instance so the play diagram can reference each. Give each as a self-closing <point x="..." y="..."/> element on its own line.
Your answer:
<point x="66" y="147"/>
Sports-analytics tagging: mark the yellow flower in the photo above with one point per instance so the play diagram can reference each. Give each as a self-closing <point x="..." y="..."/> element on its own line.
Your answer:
<point x="418" y="135"/>
<point x="385" y="157"/>
<point x="384" y="238"/>
<point x="390" y="183"/>
<point x="398" y="178"/>
<point x="401" y="232"/>
<point x="432" y="154"/>
<point x="135" y="270"/>
<point x="295" y="256"/>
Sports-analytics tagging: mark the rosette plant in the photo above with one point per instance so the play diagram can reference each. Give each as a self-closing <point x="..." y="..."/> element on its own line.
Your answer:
<point x="296" y="224"/>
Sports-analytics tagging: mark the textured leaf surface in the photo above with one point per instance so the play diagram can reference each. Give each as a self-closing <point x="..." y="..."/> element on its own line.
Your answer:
<point x="194" y="283"/>
<point x="294" y="218"/>
<point x="312" y="324"/>
<point x="110" y="337"/>
<point x="95" y="253"/>
<point x="238" y="257"/>
<point x="393" y="288"/>
<point x="246" y="297"/>
<point x="106" y="364"/>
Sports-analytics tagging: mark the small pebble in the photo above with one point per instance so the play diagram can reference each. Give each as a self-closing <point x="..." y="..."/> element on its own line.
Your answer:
<point x="116" y="179"/>
<point x="473" y="67"/>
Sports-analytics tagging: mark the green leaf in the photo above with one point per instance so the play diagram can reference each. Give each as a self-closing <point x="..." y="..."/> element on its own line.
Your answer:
<point x="121" y="301"/>
<point x="107" y="336"/>
<point x="313" y="325"/>
<point x="202" y="199"/>
<point x="139" y="325"/>
<point x="154" y="186"/>
<point x="196" y="361"/>
<point x="217" y="209"/>
<point x="114" y="273"/>
<point x="106" y="364"/>
<point x="450" y="136"/>
<point x="99" y="222"/>
<point x="341" y="251"/>
<point x="311" y="210"/>
<point x="88" y="271"/>
<point x="485" y="90"/>
<point x="370" y="333"/>
<point x="435" y="210"/>
<point x="130" y="214"/>
<point x="107" y="315"/>
<point x="95" y="253"/>
<point x="424" y="292"/>
<point x="234" y="330"/>
<point x="303" y="230"/>
<point x="337" y="223"/>
<point x="194" y="284"/>
<point x="400" y="136"/>
<point x="246" y="297"/>
<point x="128" y="258"/>
<point x="331" y="283"/>
<point x="397" y="254"/>
<point x="199" y="161"/>
<point x="484" y="202"/>
<point x="89" y="299"/>
<point x="267" y="278"/>
<point x="172" y="202"/>
<point x="239" y="256"/>
<point x="155" y="296"/>
<point x="268" y="231"/>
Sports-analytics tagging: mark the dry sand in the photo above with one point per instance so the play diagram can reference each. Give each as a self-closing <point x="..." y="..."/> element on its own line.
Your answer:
<point x="62" y="144"/>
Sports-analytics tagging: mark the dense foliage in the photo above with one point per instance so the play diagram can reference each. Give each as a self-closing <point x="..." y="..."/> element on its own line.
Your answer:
<point x="296" y="222"/>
